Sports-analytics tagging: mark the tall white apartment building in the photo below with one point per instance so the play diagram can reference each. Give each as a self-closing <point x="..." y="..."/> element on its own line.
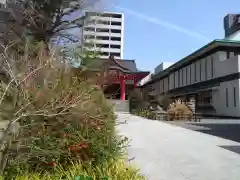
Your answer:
<point x="103" y="33"/>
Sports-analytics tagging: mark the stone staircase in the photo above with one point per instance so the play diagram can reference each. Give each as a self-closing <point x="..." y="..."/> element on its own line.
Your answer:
<point x="120" y="105"/>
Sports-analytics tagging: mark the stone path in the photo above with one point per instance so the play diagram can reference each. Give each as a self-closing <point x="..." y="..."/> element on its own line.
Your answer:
<point x="166" y="152"/>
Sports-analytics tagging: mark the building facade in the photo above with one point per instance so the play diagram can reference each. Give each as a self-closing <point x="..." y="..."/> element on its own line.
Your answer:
<point x="211" y="75"/>
<point x="162" y="66"/>
<point x="103" y="32"/>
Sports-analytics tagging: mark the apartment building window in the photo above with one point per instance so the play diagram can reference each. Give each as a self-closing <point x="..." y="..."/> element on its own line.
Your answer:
<point x="227" y="97"/>
<point x="102" y="37"/>
<point x="103" y="22"/>
<point x="88" y="37"/>
<point x="111" y="15"/>
<point x="115" y="54"/>
<point x="115" y="31"/>
<point x="102" y="45"/>
<point x="106" y="15"/>
<point x="115" y="46"/>
<point x="89" y="29"/>
<point x="115" y="39"/>
<point x="102" y="30"/>
<point x="116" y="15"/>
<point x="234" y="97"/>
<point x="116" y="23"/>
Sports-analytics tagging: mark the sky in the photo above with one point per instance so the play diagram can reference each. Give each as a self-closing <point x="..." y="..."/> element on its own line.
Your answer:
<point x="157" y="31"/>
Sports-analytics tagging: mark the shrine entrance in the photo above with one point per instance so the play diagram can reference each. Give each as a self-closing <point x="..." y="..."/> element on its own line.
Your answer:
<point x="117" y="80"/>
<point x="112" y="91"/>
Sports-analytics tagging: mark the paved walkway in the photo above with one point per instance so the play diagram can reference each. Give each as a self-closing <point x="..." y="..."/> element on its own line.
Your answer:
<point x="166" y="152"/>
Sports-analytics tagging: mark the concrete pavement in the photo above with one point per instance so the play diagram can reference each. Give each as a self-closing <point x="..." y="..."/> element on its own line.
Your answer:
<point x="166" y="152"/>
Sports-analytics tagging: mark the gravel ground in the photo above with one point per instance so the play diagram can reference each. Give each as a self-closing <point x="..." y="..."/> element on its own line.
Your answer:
<point x="164" y="151"/>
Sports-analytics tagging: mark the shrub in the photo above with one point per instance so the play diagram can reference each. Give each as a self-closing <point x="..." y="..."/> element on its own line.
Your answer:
<point x="146" y="114"/>
<point x="163" y="101"/>
<point x="179" y="111"/>
<point x="112" y="170"/>
<point x="137" y="102"/>
<point x="64" y="118"/>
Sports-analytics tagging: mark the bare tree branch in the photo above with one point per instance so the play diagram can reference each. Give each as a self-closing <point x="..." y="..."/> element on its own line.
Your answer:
<point x="43" y="20"/>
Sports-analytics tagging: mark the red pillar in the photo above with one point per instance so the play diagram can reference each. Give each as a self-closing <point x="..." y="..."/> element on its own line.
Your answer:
<point x="122" y="88"/>
<point x="134" y="82"/>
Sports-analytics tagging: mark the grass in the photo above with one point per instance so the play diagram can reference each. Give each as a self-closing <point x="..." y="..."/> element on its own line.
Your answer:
<point x="113" y="170"/>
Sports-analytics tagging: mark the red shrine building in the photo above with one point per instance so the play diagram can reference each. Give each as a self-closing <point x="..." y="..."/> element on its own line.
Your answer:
<point x="119" y="77"/>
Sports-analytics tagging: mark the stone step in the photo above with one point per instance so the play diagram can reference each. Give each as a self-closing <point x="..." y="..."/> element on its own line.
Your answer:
<point x="120" y="105"/>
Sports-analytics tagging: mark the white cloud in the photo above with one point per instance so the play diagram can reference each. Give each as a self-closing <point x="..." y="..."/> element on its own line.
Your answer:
<point x="165" y="24"/>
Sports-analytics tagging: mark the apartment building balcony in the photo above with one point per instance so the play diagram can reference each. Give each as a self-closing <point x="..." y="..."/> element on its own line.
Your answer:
<point x="94" y="33"/>
<point x="110" y="50"/>
<point x="104" y="57"/>
<point x="103" y="26"/>
<point x="107" y="19"/>
<point x="116" y="19"/>
<point x="96" y="41"/>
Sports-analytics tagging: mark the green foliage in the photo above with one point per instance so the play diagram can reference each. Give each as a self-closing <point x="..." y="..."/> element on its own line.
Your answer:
<point x="163" y="101"/>
<point x="78" y="57"/>
<point x="145" y="113"/>
<point x="137" y="102"/>
<point x="63" y="117"/>
<point x="111" y="170"/>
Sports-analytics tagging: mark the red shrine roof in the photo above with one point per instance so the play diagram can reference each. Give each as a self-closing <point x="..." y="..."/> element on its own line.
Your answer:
<point x="126" y="66"/>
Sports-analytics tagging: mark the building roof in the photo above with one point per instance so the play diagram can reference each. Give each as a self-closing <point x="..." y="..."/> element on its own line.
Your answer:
<point x="128" y="66"/>
<point x="205" y="49"/>
<point x="103" y="12"/>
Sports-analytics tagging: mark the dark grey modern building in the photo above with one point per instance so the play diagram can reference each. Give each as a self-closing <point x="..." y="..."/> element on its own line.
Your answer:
<point x="211" y="75"/>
